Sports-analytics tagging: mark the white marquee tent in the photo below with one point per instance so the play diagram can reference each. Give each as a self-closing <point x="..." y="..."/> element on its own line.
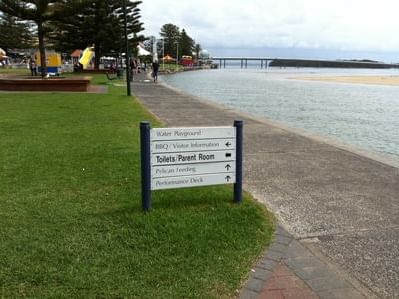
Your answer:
<point x="142" y="51"/>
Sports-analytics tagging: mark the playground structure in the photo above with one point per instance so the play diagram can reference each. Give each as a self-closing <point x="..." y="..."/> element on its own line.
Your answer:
<point x="53" y="60"/>
<point x="83" y="60"/>
<point x="13" y="82"/>
<point x="87" y="56"/>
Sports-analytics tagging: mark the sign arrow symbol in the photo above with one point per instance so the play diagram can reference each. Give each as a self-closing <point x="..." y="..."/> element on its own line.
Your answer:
<point x="228" y="178"/>
<point x="228" y="143"/>
<point x="228" y="155"/>
<point x="228" y="166"/>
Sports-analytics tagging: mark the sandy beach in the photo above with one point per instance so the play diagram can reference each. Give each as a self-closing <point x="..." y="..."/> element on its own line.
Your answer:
<point x="378" y="80"/>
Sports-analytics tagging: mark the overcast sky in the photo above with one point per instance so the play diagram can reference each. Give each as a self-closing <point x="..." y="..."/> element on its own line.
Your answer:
<point x="365" y="25"/>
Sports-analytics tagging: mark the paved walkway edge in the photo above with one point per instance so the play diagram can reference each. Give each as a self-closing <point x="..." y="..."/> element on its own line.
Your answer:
<point x="318" y="275"/>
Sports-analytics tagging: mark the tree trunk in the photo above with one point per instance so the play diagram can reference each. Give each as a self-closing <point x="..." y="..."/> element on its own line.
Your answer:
<point x="96" y="57"/>
<point x="43" y="62"/>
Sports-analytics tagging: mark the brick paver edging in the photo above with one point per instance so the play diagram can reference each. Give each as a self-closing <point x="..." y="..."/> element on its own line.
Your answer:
<point x="287" y="269"/>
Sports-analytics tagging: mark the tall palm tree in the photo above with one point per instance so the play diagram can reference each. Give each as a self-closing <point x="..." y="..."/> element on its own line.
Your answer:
<point x="40" y="12"/>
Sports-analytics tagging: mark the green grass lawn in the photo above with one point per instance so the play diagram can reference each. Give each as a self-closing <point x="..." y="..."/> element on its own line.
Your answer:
<point x="171" y="67"/>
<point x="71" y="223"/>
<point x="19" y="71"/>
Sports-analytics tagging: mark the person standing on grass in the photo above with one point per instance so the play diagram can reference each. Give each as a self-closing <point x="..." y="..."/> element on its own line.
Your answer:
<point x="33" y="67"/>
<point x="155" y="69"/>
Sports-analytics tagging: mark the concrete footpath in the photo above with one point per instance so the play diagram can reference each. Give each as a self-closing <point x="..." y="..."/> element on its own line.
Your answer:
<point x="338" y="209"/>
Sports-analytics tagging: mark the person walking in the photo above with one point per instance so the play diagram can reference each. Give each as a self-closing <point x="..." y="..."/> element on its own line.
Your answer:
<point x="155" y="69"/>
<point x="132" y="65"/>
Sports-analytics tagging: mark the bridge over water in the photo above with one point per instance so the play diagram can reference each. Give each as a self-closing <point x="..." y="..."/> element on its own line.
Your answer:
<point x="243" y="61"/>
<point x="264" y="62"/>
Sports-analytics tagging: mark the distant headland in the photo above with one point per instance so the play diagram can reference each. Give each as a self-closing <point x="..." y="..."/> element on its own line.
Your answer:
<point x="364" y="63"/>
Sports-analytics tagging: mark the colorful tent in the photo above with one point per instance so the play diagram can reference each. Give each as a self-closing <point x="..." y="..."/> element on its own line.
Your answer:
<point x="77" y="53"/>
<point x="168" y="58"/>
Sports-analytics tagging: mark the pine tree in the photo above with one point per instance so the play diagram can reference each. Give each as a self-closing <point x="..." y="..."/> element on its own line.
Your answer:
<point x="186" y="44"/>
<point x="40" y="12"/>
<point x="100" y="24"/>
<point x="95" y="25"/>
<point x="171" y="35"/>
<point x="14" y="33"/>
<point x="134" y="26"/>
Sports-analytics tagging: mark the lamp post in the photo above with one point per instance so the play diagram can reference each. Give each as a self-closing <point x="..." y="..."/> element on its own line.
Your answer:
<point x="127" y="56"/>
<point x="177" y="54"/>
<point x="163" y="55"/>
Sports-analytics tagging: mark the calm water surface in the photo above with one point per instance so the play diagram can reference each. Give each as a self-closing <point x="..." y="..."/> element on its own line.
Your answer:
<point x="366" y="116"/>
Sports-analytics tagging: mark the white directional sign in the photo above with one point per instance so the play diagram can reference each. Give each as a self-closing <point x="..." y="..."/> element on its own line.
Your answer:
<point x="192" y="133"/>
<point x="188" y="157"/>
<point x="193" y="145"/>
<point x="192" y="169"/>
<point x="192" y="181"/>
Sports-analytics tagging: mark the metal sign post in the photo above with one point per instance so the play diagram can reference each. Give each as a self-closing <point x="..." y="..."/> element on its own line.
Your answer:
<point x="145" y="165"/>
<point x="190" y="157"/>
<point x="238" y="124"/>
